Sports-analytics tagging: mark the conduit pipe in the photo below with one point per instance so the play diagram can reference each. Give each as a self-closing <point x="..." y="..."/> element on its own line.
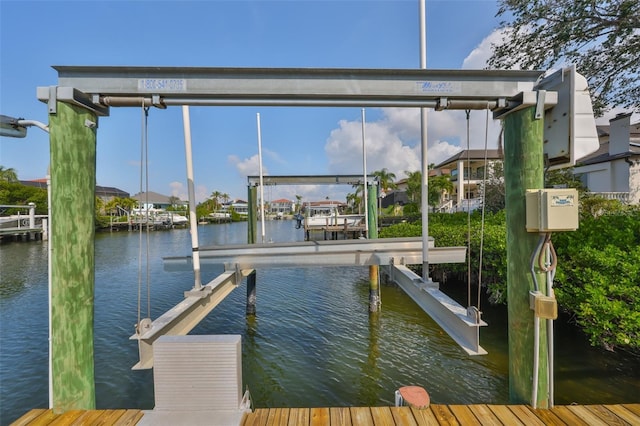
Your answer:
<point x="440" y="104"/>
<point x="193" y="220"/>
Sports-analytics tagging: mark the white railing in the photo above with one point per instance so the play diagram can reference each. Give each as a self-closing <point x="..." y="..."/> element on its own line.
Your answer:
<point x="623" y="197"/>
<point x="446" y="207"/>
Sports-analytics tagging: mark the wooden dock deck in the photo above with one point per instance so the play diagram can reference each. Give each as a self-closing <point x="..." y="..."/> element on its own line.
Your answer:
<point x="436" y="414"/>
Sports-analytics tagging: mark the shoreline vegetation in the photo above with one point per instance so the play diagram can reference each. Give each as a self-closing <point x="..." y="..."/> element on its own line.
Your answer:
<point x="598" y="273"/>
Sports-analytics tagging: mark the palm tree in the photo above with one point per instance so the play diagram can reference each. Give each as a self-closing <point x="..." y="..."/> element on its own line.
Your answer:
<point x="216" y="196"/>
<point x="414" y="186"/>
<point x="8" y="174"/>
<point x="386" y="179"/>
<point x="387" y="182"/>
<point x="437" y="186"/>
<point x="298" y="202"/>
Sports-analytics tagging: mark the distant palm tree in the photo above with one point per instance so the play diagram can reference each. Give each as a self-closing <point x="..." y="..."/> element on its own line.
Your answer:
<point x="387" y="182"/>
<point x="298" y="202"/>
<point x="8" y="174"/>
<point x="216" y="196"/>
<point x="386" y="179"/>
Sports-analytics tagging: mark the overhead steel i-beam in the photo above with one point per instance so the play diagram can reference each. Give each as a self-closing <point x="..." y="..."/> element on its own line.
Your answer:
<point x="164" y="86"/>
<point x="272" y="180"/>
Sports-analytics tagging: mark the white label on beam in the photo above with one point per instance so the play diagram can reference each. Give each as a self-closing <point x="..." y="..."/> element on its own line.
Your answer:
<point x="438" y="86"/>
<point x="163" y="84"/>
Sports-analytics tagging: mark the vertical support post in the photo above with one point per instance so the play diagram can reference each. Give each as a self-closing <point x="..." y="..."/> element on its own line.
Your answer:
<point x="523" y="169"/>
<point x="251" y="239"/>
<point x="425" y="155"/>
<point x="374" y="273"/>
<point x="252" y="224"/>
<point x="251" y="294"/>
<point x="73" y="182"/>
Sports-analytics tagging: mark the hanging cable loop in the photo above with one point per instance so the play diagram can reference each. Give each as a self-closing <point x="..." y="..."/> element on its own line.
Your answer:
<point x="553" y="261"/>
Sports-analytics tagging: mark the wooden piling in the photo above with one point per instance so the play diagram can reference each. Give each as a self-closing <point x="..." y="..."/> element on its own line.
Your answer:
<point x="374" y="272"/>
<point x="252" y="224"/>
<point x="73" y="182"/>
<point x="523" y="169"/>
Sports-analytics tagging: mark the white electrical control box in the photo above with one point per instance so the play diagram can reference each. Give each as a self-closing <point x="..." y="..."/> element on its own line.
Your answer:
<point x="552" y="209"/>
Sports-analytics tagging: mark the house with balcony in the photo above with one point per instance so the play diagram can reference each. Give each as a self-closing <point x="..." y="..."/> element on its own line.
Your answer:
<point x="613" y="171"/>
<point x="281" y="206"/>
<point x="467" y="172"/>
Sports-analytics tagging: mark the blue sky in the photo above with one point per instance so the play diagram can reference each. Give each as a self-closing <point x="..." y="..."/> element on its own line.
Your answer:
<point x="35" y="35"/>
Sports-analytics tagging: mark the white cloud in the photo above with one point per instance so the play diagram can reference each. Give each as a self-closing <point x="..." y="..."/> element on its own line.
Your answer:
<point x="479" y="56"/>
<point x="247" y="167"/>
<point x="393" y="141"/>
<point x="178" y="189"/>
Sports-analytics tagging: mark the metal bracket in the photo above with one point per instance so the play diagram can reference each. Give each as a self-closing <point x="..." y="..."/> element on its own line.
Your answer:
<point x="52" y="104"/>
<point x="52" y="94"/>
<point x="540" y="104"/>
<point x="527" y="99"/>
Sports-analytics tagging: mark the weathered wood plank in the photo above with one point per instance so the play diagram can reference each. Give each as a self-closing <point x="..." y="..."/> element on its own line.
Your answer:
<point x="505" y="415"/>
<point x="44" y="418"/>
<point x="90" y="417"/>
<point x="548" y="417"/>
<point x="623" y="413"/>
<point x="340" y="415"/>
<point x="382" y="416"/>
<point x="587" y="415"/>
<point x="320" y="416"/>
<point x="299" y="416"/>
<point x="361" y="416"/>
<point x="28" y="417"/>
<point x="443" y="415"/>
<point x="110" y="417"/>
<point x="567" y="416"/>
<point x="476" y="414"/>
<point x="257" y="418"/>
<point x="130" y="417"/>
<point x="485" y="415"/>
<point x="67" y="418"/>
<point x="634" y="408"/>
<point x="464" y="415"/>
<point x="403" y="416"/>
<point x="278" y="416"/>
<point x="424" y="417"/>
<point x="606" y="415"/>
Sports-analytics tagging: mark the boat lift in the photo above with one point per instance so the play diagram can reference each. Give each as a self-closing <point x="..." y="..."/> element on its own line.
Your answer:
<point x="97" y="88"/>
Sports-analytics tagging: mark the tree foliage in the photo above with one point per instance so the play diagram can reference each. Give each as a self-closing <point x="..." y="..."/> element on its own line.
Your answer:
<point x="17" y="194"/>
<point x="602" y="38"/>
<point x="597" y="276"/>
<point x="8" y="174"/>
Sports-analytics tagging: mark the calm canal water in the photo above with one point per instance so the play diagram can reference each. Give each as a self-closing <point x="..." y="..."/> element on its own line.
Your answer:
<point x="312" y="343"/>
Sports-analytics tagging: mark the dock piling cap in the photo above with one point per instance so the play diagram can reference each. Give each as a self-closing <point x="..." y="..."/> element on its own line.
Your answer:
<point x="415" y="396"/>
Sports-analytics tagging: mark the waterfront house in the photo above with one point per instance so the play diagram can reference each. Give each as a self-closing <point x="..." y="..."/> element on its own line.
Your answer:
<point x="282" y="206"/>
<point x="613" y="171"/>
<point x="467" y="172"/>
<point x="153" y="200"/>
